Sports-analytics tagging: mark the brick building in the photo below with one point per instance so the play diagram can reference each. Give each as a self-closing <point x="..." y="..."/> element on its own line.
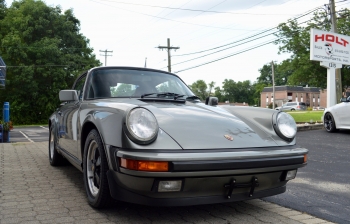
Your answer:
<point x="312" y="96"/>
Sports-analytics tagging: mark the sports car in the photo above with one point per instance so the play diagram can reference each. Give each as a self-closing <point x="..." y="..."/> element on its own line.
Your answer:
<point x="140" y="135"/>
<point x="337" y="116"/>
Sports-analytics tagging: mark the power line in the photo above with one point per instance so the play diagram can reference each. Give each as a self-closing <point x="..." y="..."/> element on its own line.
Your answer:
<point x="252" y="6"/>
<point x="224" y="49"/>
<point x="226" y="56"/>
<point x="297" y="17"/>
<point x="227" y="44"/>
<point x="194" y="24"/>
<point x="231" y="54"/>
<point x="197" y="10"/>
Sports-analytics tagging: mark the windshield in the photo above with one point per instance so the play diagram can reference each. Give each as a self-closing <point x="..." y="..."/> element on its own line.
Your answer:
<point x="107" y="83"/>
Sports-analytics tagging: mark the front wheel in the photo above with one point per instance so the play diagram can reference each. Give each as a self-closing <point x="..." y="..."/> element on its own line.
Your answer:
<point x="95" y="171"/>
<point x="329" y="123"/>
<point x="54" y="157"/>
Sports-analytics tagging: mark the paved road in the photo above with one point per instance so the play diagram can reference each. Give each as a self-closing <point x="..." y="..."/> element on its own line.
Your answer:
<point x="30" y="134"/>
<point x="322" y="188"/>
<point x="31" y="191"/>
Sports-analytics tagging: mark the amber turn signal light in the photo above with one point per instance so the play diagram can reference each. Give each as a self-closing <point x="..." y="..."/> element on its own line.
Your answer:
<point x="305" y="158"/>
<point x="151" y="166"/>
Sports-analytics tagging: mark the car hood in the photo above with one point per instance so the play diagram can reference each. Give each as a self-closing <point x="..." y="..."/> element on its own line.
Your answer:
<point x="198" y="126"/>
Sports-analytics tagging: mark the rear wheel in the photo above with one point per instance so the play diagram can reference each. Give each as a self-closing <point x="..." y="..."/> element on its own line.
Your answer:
<point x="292" y="109"/>
<point x="329" y="123"/>
<point x="95" y="171"/>
<point x="54" y="157"/>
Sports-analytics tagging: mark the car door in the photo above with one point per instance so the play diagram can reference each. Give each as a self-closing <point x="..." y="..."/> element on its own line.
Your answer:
<point x="286" y="107"/>
<point x="343" y="113"/>
<point x="68" y="129"/>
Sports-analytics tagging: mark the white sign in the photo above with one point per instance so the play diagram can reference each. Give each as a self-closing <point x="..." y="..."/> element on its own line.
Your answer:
<point x="329" y="47"/>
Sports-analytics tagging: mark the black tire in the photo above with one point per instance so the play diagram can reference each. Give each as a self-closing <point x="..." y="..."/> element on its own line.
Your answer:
<point x="292" y="109"/>
<point x="95" y="169"/>
<point x="55" y="158"/>
<point x="329" y="123"/>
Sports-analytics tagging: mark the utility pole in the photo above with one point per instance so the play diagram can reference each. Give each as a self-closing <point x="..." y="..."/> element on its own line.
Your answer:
<point x="273" y="85"/>
<point x="334" y="29"/>
<point x="168" y="49"/>
<point x="106" y="51"/>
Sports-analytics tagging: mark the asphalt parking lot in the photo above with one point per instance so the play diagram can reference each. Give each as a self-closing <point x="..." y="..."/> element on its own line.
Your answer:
<point x="31" y="191"/>
<point x="30" y="134"/>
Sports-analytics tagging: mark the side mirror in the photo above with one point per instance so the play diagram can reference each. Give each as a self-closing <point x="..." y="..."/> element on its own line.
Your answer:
<point x="212" y="101"/>
<point x="68" y="95"/>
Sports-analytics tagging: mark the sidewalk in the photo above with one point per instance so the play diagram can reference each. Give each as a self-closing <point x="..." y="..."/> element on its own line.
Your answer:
<point x="31" y="191"/>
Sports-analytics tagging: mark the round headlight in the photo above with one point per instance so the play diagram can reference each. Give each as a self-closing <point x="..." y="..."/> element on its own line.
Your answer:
<point x="142" y="126"/>
<point x="285" y="126"/>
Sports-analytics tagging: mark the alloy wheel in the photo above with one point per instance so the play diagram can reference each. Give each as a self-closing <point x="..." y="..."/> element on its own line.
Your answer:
<point x="93" y="168"/>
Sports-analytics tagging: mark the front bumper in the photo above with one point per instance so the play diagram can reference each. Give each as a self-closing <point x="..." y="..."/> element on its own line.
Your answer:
<point x="205" y="175"/>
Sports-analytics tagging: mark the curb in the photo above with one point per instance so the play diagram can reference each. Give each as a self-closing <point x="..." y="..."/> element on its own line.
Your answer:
<point x="307" y="127"/>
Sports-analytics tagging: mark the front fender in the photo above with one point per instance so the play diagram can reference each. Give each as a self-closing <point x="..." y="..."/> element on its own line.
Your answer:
<point x="109" y="123"/>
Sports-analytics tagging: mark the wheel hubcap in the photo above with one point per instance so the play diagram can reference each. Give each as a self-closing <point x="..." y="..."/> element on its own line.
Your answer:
<point x="93" y="168"/>
<point x="328" y="122"/>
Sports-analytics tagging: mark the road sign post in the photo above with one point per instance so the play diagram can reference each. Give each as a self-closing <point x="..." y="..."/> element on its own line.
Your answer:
<point x="331" y="92"/>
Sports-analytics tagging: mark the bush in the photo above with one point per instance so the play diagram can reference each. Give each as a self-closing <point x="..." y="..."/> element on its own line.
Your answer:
<point x="309" y="108"/>
<point x="6" y="126"/>
<point x="270" y="106"/>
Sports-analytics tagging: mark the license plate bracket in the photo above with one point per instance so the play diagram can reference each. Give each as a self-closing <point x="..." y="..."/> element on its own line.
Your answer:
<point x="233" y="184"/>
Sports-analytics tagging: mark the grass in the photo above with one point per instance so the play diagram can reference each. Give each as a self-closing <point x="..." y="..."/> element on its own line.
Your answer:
<point x="307" y="116"/>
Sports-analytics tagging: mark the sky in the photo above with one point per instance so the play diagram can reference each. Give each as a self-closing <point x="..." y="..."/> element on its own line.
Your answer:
<point x="217" y="39"/>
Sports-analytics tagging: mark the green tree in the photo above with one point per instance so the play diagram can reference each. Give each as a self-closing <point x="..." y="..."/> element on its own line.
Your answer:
<point x="199" y="88"/>
<point x="44" y="52"/>
<point x="219" y="94"/>
<point x="238" y="91"/>
<point x="281" y="74"/>
<point x="211" y="86"/>
<point x="2" y="9"/>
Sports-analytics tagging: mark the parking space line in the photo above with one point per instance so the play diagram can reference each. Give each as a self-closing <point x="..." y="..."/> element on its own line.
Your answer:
<point x="44" y="127"/>
<point x="26" y="136"/>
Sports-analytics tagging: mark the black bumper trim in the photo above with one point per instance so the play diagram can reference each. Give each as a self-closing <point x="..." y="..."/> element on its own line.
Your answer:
<point x="235" y="164"/>
<point x="121" y="194"/>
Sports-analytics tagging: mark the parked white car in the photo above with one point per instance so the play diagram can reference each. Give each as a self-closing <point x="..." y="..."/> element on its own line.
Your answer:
<point x="338" y="116"/>
<point x="293" y="106"/>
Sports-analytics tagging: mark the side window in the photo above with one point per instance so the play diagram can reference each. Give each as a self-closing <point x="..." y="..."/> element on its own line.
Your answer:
<point x="79" y="85"/>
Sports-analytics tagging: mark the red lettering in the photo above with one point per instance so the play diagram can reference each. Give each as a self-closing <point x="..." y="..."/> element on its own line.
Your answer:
<point x="330" y="38"/>
<point x="337" y="41"/>
<point x="319" y="37"/>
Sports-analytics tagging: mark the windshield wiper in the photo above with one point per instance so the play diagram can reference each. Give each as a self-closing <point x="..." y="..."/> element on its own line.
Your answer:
<point x="194" y="97"/>
<point x="164" y="94"/>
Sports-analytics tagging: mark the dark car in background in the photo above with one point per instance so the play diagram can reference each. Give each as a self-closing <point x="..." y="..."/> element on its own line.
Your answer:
<point x="140" y="135"/>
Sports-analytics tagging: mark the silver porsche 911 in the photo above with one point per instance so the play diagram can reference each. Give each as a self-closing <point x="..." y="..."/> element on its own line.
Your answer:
<point x="140" y="135"/>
